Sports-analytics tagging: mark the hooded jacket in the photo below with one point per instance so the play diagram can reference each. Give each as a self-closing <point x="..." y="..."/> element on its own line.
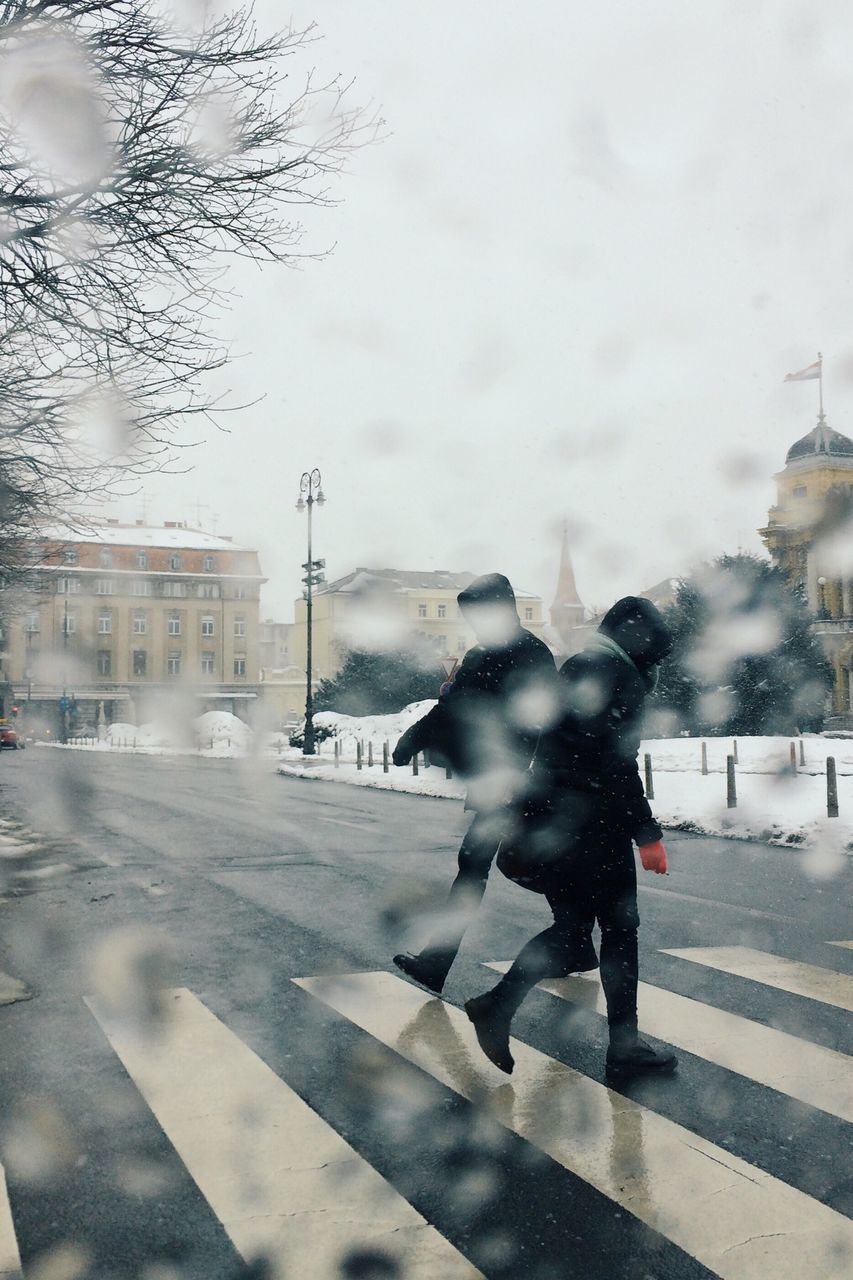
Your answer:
<point x="595" y="746"/>
<point x="477" y="726"/>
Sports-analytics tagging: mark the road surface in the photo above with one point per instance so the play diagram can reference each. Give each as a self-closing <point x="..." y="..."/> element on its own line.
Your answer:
<point x="220" y="1065"/>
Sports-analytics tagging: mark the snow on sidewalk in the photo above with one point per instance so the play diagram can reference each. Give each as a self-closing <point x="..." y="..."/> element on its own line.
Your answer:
<point x="772" y="806"/>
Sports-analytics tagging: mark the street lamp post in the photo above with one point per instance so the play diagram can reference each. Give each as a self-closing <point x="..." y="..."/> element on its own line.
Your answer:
<point x="310" y="491"/>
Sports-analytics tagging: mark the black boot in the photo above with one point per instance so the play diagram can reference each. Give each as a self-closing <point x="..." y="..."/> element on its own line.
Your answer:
<point x="626" y="1059"/>
<point x="427" y="972"/>
<point x="491" y="1018"/>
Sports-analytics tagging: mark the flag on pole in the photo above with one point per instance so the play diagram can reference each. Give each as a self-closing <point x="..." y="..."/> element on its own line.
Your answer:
<point x="804" y="375"/>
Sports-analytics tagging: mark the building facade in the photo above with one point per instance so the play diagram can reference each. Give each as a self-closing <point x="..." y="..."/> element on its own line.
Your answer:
<point x="383" y="608"/>
<point x="809" y="535"/>
<point x="123" y="613"/>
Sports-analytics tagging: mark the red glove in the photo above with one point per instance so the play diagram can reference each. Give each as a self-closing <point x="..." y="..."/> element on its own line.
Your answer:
<point x="653" y="857"/>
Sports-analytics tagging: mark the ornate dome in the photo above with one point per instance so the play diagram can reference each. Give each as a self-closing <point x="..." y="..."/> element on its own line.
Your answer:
<point x="821" y="440"/>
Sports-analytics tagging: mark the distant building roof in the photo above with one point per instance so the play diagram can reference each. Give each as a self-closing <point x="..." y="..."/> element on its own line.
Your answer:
<point x="821" y="440"/>
<point x="175" y="534"/>
<point x="362" y="579"/>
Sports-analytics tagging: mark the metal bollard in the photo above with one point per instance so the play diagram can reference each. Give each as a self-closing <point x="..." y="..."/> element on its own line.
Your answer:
<point x="427" y="761"/>
<point x="384" y="757"/>
<point x="705" y="758"/>
<point x="831" y="788"/>
<point x="731" y="783"/>
<point x="358" y="761"/>
<point x="734" y="751"/>
<point x="448" y="772"/>
<point x="337" y="754"/>
<point x="650" y="785"/>
<point x="415" y="765"/>
<point x="793" y="758"/>
<point x="370" y="755"/>
<point x="802" y="752"/>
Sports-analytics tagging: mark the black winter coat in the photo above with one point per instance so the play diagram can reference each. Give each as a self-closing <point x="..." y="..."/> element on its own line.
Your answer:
<point x="593" y="750"/>
<point x="482" y="724"/>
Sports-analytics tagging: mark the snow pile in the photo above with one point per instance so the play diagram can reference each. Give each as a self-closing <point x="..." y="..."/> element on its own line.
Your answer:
<point x="348" y="731"/>
<point x="222" y="729"/>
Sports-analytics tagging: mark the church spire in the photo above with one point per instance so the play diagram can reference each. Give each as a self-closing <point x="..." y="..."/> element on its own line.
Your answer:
<point x="567" y="611"/>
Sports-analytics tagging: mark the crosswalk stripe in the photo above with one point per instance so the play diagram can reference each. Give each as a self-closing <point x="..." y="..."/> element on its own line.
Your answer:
<point x="737" y="1220"/>
<point x="848" y="945"/>
<point x="793" y="976"/>
<point x="821" y="1077"/>
<point x="10" y="1260"/>
<point x="278" y="1177"/>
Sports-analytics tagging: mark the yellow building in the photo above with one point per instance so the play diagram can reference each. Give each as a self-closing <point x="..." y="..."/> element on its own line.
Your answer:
<point x="809" y="534"/>
<point x="129" y="612"/>
<point x="383" y="608"/>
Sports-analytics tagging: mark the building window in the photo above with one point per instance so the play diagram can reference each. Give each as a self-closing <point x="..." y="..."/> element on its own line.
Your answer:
<point x="105" y="662"/>
<point x="174" y="625"/>
<point x="207" y="625"/>
<point x="142" y="559"/>
<point x="422" y="611"/>
<point x="173" y="663"/>
<point x="441" y="641"/>
<point x="142" y="587"/>
<point x="209" y="564"/>
<point x="67" y="586"/>
<point x="105" y="624"/>
<point x="70" y="555"/>
<point x="32" y="624"/>
<point x="208" y="591"/>
<point x="800" y="491"/>
<point x="460" y="644"/>
<point x="240" y="627"/>
<point x="105" y="558"/>
<point x="104" y="587"/>
<point x="175" y="590"/>
<point x="207" y="663"/>
<point x="140" y="624"/>
<point x="140" y="662"/>
<point x="175" y="563"/>
<point x="239" y="666"/>
<point x="528" y="615"/>
<point x="240" y="591"/>
<point x="69" y="624"/>
<point x="442" y="611"/>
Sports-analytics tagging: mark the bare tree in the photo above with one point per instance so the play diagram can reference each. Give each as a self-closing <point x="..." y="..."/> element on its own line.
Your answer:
<point x="136" y="158"/>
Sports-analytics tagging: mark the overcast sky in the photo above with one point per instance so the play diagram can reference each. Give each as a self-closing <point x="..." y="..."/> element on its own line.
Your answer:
<point x="567" y="285"/>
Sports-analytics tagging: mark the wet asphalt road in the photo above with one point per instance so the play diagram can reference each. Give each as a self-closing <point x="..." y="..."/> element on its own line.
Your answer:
<point x="238" y="881"/>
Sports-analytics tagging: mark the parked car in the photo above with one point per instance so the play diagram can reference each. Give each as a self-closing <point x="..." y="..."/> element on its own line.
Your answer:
<point x="9" y="740"/>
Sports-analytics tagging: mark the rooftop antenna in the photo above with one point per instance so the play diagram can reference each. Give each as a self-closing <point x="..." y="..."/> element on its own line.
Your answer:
<point x="199" y="507"/>
<point x="215" y="520"/>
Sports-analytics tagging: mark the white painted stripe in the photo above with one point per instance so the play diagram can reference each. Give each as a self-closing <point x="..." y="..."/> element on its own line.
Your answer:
<point x="848" y="945"/>
<point x="280" y="1180"/>
<point x="10" y="1260"/>
<point x="794" y="976"/>
<point x="821" y="1077"/>
<point x="716" y="902"/>
<point x="736" y="1219"/>
<point x="342" y="822"/>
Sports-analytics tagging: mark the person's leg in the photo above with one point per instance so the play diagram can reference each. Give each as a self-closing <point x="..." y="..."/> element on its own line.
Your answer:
<point x="476" y="855"/>
<point x="554" y="953"/>
<point x="619" y="919"/>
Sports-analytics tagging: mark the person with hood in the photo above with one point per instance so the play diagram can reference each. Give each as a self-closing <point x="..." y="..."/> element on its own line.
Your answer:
<point x="593" y="807"/>
<point x="487" y="725"/>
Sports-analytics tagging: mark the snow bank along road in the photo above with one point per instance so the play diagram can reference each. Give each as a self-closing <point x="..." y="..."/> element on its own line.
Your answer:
<point x="301" y="1100"/>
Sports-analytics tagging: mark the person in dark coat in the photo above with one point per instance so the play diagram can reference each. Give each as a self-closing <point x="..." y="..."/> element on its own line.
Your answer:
<point x="596" y="806"/>
<point x="487" y="725"/>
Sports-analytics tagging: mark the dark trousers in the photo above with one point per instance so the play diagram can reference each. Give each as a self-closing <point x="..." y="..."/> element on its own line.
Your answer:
<point x="476" y="855"/>
<point x="598" y="886"/>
